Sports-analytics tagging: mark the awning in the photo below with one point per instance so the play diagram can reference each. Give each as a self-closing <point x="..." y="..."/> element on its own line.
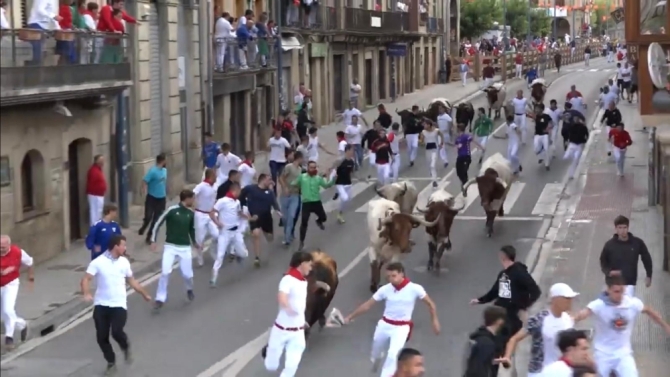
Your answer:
<point x="290" y="43"/>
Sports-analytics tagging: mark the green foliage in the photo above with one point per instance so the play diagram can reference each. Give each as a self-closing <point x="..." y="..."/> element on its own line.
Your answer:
<point x="517" y="19"/>
<point x="597" y="23"/>
<point x="478" y="16"/>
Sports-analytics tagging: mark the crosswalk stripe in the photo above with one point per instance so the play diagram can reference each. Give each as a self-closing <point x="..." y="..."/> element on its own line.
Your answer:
<point x="513" y="195"/>
<point x="356" y="189"/>
<point x="473" y="194"/>
<point x="421" y="201"/>
<point x="594" y="70"/>
<point x="549" y="198"/>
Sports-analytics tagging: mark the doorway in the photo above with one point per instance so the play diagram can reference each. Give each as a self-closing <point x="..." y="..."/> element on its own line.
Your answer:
<point x="237" y="123"/>
<point x="338" y="68"/>
<point x="80" y="158"/>
<point x="368" y="81"/>
<point x="426" y="66"/>
<point x="382" y="75"/>
<point x="417" y="68"/>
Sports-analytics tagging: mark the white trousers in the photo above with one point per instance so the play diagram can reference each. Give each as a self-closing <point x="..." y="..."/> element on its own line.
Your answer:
<point x="520" y="120"/>
<point x="620" y="158"/>
<point x="243" y="57"/>
<point x="444" y="154"/>
<point x="395" y="167"/>
<point x="170" y="253"/>
<point x="95" y="204"/>
<point x="204" y="226"/>
<point x="227" y="238"/>
<point x="464" y="78"/>
<point x="610" y="56"/>
<point x="292" y="343"/>
<point x="518" y="70"/>
<point x="412" y="146"/>
<point x="622" y="366"/>
<point x="393" y="335"/>
<point x="574" y="152"/>
<point x="344" y="191"/>
<point x="541" y="146"/>
<point x="244" y="223"/>
<point x="587" y="59"/>
<point x="513" y="155"/>
<point x="9" y="293"/>
<point x="372" y="159"/>
<point x="572" y="51"/>
<point x="609" y="143"/>
<point x="431" y="157"/>
<point x="383" y="172"/>
<point x="220" y="178"/>
<point x="220" y="53"/>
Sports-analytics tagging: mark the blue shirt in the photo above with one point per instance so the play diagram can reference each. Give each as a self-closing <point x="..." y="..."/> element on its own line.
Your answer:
<point x="99" y="235"/>
<point x="209" y="153"/>
<point x="156" y="180"/>
<point x="463" y="143"/>
<point x="531" y="75"/>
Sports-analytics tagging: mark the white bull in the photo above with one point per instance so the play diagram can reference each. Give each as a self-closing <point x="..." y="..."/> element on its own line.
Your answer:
<point x="404" y="193"/>
<point x="389" y="231"/>
<point x="494" y="181"/>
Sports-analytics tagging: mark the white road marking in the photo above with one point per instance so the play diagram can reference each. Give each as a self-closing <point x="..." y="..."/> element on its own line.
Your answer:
<point x="356" y="189"/>
<point x="417" y="179"/>
<point x="498" y="218"/>
<point x="594" y="70"/>
<point x="234" y="363"/>
<point x="513" y="196"/>
<point x="473" y="194"/>
<point x="549" y="198"/>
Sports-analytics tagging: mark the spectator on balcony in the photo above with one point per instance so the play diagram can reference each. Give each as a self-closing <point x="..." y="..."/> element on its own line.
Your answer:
<point x="263" y="36"/>
<point x="248" y="15"/>
<point x="243" y="38"/>
<point x="4" y="25"/>
<point x="111" y="17"/>
<point x="43" y="16"/>
<point x="91" y="46"/>
<point x="223" y="33"/>
<point x="310" y="8"/>
<point x="292" y="12"/>
<point x="65" y="49"/>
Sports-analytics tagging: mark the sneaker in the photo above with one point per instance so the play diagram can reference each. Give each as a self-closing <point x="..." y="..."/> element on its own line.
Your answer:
<point x="540" y="161"/>
<point x="320" y="225"/>
<point x="301" y="247"/>
<point x="434" y="184"/>
<point x="110" y="370"/>
<point x="257" y="262"/>
<point x="547" y="168"/>
<point x="340" y="219"/>
<point x="128" y="356"/>
<point x="200" y="259"/>
<point x="190" y="295"/>
<point x="609" y="154"/>
<point x="446" y="164"/>
<point x="158" y="305"/>
<point x="336" y="196"/>
<point x="24" y="334"/>
<point x="411" y="163"/>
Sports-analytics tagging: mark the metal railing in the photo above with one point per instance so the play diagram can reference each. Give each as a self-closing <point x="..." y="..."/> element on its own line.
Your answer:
<point x="43" y="48"/>
<point x="233" y="54"/>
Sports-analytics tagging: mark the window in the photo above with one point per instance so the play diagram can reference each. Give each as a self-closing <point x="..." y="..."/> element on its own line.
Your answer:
<point x="32" y="181"/>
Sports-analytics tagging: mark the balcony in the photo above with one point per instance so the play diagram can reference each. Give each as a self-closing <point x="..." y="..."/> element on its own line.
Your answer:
<point x="41" y="66"/>
<point x="240" y="68"/>
<point x="435" y="25"/>
<point x="325" y="17"/>
<point x="369" y="21"/>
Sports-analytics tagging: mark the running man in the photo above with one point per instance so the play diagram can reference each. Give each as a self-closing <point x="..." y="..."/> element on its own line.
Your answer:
<point x="514" y="136"/>
<point x="343" y="169"/>
<point x="433" y="141"/>
<point x="541" y="141"/>
<point x="383" y="157"/>
<point x="205" y="197"/>
<point x="369" y="138"/>
<point x="225" y="162"/>
<point x="395" y="326"/>
<point x="310" y="185"/>
<point x="260" y="201"/>
<point x="519" y="118"/>
<point x="464" y="153"/>
<point x="394" y="142"/>
<point x="179" y="222"/>
<point x="483" y="129"/>
<point x="575" y="136"/>
<point x="444" y="124"/>
<point x="412" y="129"/>
<point x="12" y="258"/>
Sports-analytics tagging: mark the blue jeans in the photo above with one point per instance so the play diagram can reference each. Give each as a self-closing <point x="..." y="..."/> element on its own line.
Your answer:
<point x="358" y="153"/>
<point x="275" y="170"/>
<point x="289" y="208"/>
<point x="37" y="46"/>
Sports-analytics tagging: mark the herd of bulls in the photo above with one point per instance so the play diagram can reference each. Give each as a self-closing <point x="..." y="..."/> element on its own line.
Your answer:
<point x="391" y="219"/>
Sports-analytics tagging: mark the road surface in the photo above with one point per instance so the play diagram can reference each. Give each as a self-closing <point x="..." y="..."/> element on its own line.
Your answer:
<point x="221" y="332"/>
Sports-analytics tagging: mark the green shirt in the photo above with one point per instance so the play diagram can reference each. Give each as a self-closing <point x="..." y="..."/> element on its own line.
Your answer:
<point x="179" y="226"/>
<point x="310" y="186"/>
<point x="77" y="19"/>
<point x="483" y="126"/>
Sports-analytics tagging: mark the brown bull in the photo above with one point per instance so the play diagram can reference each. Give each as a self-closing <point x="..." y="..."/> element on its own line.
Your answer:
<point x="321" y="286"/>
<point x="465" y="113"/>
<point x="537" y="92"/>
<point x="492" y="192"/>
<point x="439" y="234"/>
<point x="557" y="61"/>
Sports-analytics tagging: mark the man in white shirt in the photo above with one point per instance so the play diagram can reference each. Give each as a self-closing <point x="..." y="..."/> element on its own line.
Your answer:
<point x="223" y="34"/>
<point x="354" y="132"/>
<point x="288" y="332"/>
<point x="574" y="347"/>
<point x="349" y="113"/>
<point x="277" y="146"/>
<point x="395" y="327"/>
<point x="354" y="92"/>
<point x="556" y="114"/>
<point x="444" y="123"/>
<point x="614" y="313"/>
<point x="625" y="74"/>
<point x="12" y="258"/>
<point x="227" y="215"/>
<point x="578" y="104"/>
<point x="299" y="97"/>
<point x="4" y="24"/>
<point x="513" y="141"/>
<point x="110" y="312"/>
<point x="225" y="162"/>
<point x="205" y="198"/>
<point x="520" y="104"/>
<point x="394" y="142"/>
<point x="43" y="16"/>
<point x="544" y="328"/>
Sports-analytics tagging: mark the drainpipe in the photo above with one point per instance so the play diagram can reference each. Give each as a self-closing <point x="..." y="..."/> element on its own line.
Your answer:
<point x="122" y="157"/>
<point x="280" y="61"/>
<point x="210" y="67"/>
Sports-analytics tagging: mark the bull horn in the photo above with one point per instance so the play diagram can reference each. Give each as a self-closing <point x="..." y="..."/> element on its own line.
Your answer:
<point x="322" y="285"/>
<point x="384" y="221"/>
<point x="453" y="206"/>
<point x="405" y="189"/>
<point x="467" y="184"/>
<point x="425" y="223"/>
<point x="504" y="185"/>
<point x="421" y="211"/>
<point x="379" y="192"/>
<point x="396" y="111"/>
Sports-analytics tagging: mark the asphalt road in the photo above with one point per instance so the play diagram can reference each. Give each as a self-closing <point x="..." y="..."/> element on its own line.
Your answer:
<point x="218" y="333"/>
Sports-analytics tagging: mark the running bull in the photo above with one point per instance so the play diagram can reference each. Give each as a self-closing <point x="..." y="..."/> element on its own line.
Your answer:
<point x="496" y="95"/>
<point x="494" y="181"/>
<point x="389" y="231"/>
<point x="465" y="113"/>
<point x="404" y="193"/>
<point x="440" y="208"/>
<point x="321" y="286"/>
<point x="538" y="89"/>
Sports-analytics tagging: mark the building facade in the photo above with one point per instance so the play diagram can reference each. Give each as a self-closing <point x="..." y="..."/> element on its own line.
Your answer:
<point x="125" y="97"/>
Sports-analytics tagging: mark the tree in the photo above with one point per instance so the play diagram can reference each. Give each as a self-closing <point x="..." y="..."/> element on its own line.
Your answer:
<point x="517" y="19"/>
<point x="478" y="16"/>
<point x="600" y="18"/>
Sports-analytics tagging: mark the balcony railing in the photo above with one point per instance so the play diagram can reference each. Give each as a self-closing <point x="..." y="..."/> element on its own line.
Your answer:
<point x="324" y="16"/>
<point x="423" y="19"/>
<point x="60" y="62"/>
<point x="374" y="21"/>
<point x="232" y="54"/>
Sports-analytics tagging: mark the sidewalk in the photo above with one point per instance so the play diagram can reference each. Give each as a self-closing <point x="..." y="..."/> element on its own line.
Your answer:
<point x="585" y="215"/>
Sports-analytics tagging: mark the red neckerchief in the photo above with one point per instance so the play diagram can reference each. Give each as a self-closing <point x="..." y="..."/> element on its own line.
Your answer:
<point x="339" y="139"/>
<point x="209" y="182"/>
<point x="566" y="361"/>
<point x="402" y="284"/>
<point x="229" y="194"/>
<point x="295" y="273"/>
<point x="247" y="162"/>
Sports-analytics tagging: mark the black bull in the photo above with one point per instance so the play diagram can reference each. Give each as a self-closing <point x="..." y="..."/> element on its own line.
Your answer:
<point x="557" y="61"/>
<point x="318" y="298"/>
<point x="489" y="190"/>
<point x="465" y="113"/>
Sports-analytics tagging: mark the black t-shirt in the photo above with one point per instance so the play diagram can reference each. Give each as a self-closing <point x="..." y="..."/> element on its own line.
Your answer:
<point x="344" y="171"/>
<point x="385" y="120"/>
<point x="542" y="122"/>
<point x="571" y="117"/>
<point x="413" y="125"/>
<point x="382" y="151"/>
<point x="223" y="189"/>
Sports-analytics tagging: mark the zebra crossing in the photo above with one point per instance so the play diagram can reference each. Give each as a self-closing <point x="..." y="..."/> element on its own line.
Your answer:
<point x="545" y="203"/>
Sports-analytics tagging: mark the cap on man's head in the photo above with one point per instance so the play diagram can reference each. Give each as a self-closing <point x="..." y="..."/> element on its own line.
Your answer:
<point x="562" y="290"/>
